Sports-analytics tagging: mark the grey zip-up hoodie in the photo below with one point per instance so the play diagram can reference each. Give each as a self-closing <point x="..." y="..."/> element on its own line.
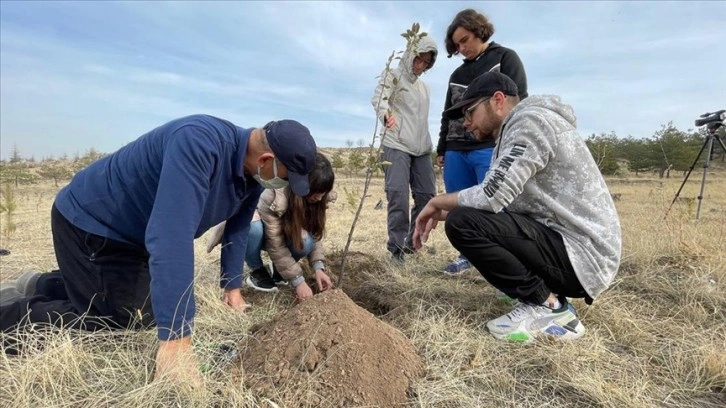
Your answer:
<point x="543" y="168"/>
<point x="411" y="107"/>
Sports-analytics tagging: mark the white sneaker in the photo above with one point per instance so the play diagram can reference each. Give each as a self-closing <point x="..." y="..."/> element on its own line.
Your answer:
<point x="525" y="322"/>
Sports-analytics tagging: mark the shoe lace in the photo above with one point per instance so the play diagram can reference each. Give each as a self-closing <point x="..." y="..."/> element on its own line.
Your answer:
<point x="523" y="310"/>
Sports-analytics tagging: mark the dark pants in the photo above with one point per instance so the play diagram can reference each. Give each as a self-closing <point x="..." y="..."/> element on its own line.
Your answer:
<point x="101" y="284"/>
<point x="516" y="254"/>
<point x="406" y="175"/>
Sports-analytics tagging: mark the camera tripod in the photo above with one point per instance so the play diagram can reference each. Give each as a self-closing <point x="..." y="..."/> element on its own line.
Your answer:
<point x="712" y="121"/>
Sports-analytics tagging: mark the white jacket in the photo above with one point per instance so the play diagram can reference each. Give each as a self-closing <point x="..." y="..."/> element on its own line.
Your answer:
<point x="411" y="107"/>
<point x="543" y="168"/>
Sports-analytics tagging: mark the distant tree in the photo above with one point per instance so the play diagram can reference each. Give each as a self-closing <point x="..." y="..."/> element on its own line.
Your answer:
<point x="349" y="144"/>
<point x="55" y="170"/>
<point x="356" y="161"/>
<point x="15" y="156"/>
<point x="637" y="153"/>
<point x="604" y="148"/>
<point x="674" y="149"/>
<point x="16" y="170"/>
<point x="81" y="162"/>
<point x="16" y="173"/>
<point x="336" y="160"/>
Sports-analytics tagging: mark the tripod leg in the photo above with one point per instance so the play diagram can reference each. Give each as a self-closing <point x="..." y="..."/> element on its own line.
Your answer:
<point x="690" y="169"/>
<point x="705" y="171"/>
<point x="720" y="142"/>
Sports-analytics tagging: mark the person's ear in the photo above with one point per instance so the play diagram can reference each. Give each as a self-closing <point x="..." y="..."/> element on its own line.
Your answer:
<point x="264" y="158"/>
<point x="500" y="100"/>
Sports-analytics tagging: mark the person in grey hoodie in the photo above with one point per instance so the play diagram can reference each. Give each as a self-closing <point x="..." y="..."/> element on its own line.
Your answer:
<point x="541" y="226"/>
<point x="406" y="142"/>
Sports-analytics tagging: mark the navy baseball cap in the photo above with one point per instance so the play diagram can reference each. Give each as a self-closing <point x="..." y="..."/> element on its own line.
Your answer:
<point x="483" y="86"/>
<point x="294" y="147"/>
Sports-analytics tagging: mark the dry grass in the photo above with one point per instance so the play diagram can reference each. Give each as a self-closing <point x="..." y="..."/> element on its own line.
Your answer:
<point x="657" y="338"/>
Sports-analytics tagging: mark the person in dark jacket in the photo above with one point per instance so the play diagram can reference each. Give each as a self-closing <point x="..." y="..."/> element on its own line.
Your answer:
<point x="466" y="160"/>
<point x="124" y="229"/>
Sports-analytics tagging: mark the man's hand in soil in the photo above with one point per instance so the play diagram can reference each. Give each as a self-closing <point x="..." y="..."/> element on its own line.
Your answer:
<point x="176" y="361"/>
<point x="233" y="298"/>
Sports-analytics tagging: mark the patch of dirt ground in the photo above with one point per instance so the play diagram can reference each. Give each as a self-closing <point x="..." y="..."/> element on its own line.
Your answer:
<point x="329" y="352"/>
<point x="360" y="282"/>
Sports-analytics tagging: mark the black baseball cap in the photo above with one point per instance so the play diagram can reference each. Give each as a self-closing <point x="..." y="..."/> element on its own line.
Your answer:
<point x="295" y="148"/>
<point x="483" y="86"/>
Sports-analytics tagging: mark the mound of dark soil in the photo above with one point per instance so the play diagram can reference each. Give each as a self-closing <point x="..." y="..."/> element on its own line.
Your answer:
<point x="327" y="351"/>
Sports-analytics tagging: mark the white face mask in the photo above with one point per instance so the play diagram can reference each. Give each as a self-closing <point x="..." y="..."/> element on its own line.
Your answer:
<point x="273" y="183"/>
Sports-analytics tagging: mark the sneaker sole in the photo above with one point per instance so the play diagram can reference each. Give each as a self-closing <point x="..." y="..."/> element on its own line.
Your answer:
<point x="252" y="285"/>
<point x="554" y="331"/>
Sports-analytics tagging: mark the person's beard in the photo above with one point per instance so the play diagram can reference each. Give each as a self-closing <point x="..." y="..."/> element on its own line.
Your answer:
<point x="489" y="127"/>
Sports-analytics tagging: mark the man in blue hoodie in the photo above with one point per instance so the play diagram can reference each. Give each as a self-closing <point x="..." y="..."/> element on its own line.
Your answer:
<point x="124" y="228"/>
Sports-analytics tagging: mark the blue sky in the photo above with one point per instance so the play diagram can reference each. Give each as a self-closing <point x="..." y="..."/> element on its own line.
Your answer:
<point x="99" y="74"/>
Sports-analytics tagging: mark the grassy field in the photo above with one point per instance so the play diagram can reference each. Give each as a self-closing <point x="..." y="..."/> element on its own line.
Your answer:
<point x="656" y="338"/>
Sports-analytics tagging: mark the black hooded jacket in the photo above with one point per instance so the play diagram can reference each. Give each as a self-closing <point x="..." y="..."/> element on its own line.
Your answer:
<point x="453" y="134"/>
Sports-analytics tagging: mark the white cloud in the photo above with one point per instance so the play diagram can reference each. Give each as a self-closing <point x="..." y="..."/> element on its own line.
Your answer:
<point x="71" y="72"/>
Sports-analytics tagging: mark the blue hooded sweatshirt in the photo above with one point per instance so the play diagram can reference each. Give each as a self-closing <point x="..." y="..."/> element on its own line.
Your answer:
<point x="162" y="191"/>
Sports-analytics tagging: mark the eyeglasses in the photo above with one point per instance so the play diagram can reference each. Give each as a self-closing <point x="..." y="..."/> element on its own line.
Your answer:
<point x="470" y="110"/>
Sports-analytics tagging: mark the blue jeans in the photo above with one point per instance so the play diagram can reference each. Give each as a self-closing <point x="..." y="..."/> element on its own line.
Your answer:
<point x="464" y="169"/>
<point x="256" y="244"/>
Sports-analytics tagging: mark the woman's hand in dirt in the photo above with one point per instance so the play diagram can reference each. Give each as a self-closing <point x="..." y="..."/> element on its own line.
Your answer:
<point x="323" y="280"/>
<point x="233" y="298"/>
<point x="176" y="361"/>
<point x="303" y="291"/>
